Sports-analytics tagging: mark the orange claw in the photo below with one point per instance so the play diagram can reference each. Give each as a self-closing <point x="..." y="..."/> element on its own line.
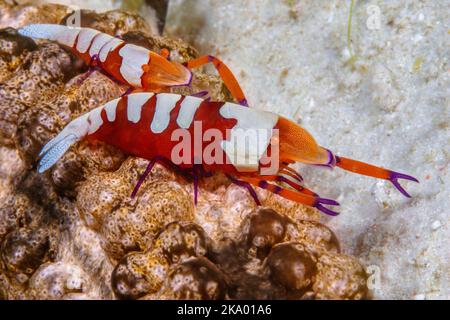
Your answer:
<point x="374" y="171"/>
<point x="161" y="72"/>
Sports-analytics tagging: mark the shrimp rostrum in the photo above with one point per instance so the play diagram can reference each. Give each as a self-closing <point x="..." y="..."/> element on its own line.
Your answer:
<point x="138" y="67"/>
<point x="252" y="147"/>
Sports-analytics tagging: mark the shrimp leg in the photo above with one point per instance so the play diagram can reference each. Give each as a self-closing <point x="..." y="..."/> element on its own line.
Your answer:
<point x="225" y="73"/>
<point x="291" y="183"/>
<point x="300" y="197"/>
<point x="162" y="160"/>
<point x="147" y="171"/>
<point x="246" y="185"/>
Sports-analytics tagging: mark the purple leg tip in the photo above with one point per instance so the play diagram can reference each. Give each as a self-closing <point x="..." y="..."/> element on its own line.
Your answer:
<point x="200" y="94"/>
<point x="394" y="176"/>
<point x="243" y="102"/>
<point x="324" y="209"/>
<point x="328" y="201"/>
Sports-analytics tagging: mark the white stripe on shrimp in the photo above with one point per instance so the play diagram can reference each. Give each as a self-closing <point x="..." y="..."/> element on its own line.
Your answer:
<point x="133" y="58"/>
<point x="111" y="109"/>
<point x="187" y="111"/>
<point x="109" y="46"/>
<point x="98" y="43"/>
<point x="135" y="103"/>
<point x="85" y="39"/>
<point x="165" y="103"/>
<point x="250" y="137"/>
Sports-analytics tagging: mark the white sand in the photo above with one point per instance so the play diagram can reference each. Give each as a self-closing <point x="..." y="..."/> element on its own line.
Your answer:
<point x="392" y="109"/>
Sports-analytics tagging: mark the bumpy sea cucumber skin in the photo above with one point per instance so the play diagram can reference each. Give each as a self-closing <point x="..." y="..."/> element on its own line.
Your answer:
<point x="74" y="232"/>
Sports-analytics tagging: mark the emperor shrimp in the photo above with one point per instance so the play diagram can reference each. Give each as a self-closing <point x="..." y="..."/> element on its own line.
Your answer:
<point x="150" y="126"/>
<point x="130" y="64"/>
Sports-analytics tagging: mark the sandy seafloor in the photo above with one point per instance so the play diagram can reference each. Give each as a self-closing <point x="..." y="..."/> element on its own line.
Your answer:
<point x="389" y="107"/>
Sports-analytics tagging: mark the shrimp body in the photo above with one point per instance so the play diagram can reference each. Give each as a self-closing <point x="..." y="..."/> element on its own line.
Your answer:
<point x="130" y="64"/>
<point x="145" y="124"/>
<point x="152" y="126"/>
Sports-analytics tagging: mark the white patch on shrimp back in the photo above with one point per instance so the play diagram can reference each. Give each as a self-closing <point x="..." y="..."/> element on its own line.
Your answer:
<point x="55" y="32"/>
<point x="187" y="111"/>
<point x="68" y="37"/>
<point x="98" y="43"/>
<point x="94" y="120"/>
<point x="133" y="58"/>
<point x="250" y="137"/>
<point x="165" y="103"/>
<point x="85" y="39"/>
<point x="135" y="103"/>
<point x="109" y="46"/>
<point x="111" y="109"/>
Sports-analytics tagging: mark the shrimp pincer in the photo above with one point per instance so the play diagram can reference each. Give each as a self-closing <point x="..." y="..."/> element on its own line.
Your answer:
<point x="130" y="64"/>
<point x="165" y="128"/>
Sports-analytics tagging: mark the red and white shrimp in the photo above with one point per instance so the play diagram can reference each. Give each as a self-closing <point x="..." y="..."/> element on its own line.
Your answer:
<point x="144" y="124"/>
<point x="133" y="65"/>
